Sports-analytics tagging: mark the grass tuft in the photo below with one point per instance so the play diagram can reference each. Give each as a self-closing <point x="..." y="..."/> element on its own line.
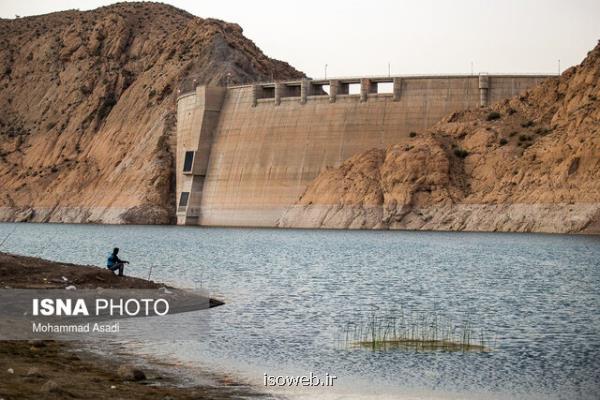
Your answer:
<point x="415" y="331"/>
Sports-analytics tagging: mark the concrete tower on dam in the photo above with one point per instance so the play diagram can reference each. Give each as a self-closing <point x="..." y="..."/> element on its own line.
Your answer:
<point x="246" y="153"/>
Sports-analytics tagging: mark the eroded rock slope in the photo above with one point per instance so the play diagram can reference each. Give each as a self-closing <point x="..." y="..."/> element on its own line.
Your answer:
<point x="87" y="107"/>
<point x="528" y="164"/>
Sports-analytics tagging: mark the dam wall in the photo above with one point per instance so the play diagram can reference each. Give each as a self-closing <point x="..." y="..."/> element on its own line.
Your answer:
<point x="245" y="154"/>
<point x="198" y="114"/>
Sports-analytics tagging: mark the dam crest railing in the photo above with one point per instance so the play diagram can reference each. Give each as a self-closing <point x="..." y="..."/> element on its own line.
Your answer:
<point x="360" y="87"/>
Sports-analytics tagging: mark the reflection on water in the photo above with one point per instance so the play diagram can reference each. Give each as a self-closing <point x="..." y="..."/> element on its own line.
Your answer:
<point x="289" y="292"/>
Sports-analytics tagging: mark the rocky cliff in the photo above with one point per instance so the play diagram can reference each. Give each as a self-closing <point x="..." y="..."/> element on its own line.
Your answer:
<point x="527" y="164"/>
<point x="87" y="107"/>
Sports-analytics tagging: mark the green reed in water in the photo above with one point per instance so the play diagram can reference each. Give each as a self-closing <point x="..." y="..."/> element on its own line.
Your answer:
<point x="419" y="331"/>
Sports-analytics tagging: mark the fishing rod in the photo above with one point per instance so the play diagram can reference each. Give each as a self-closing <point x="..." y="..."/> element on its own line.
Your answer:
<point x="150" y="272"/>
<point x="7" y="236"/>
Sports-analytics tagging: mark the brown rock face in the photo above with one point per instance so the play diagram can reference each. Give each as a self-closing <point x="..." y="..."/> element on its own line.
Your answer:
<point x="87" y="107"/>
<point x="530" y="163"/>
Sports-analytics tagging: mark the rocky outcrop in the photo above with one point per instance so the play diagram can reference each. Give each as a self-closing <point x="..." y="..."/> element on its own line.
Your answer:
<point x="87" y="107"/>
<point x="528" y="164"/>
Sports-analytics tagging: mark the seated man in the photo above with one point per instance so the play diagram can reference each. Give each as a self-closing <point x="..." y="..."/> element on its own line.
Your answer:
<point x="115" y="263"/>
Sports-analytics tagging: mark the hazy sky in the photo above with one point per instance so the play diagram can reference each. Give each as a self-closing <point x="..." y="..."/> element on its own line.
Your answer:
<point x="415" y="37"/>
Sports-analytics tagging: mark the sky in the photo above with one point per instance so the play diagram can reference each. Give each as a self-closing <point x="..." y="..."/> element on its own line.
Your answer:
<point x="362" y="38"/>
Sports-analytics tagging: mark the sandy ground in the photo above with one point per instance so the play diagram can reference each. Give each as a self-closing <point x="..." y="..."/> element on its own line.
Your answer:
<point x="71" y="370"/>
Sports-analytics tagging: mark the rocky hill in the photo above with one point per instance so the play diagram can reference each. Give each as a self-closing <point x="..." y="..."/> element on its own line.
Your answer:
<point x="530" y="164"/>
<point x="87" y="107"/>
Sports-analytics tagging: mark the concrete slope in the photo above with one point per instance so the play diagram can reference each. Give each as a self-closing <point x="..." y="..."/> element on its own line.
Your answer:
<point x="269" y="141"/>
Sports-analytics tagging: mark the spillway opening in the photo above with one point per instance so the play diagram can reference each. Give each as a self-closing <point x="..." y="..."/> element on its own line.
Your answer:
<point x="267" y="93"/>
<point x="385" y="87"/>
<point x="291" y="91"/>
<point x="320" y="90"/>
<point x="353" y="88"/>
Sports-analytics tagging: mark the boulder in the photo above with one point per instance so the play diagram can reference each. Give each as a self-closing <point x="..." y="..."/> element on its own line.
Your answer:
<point x="130" y="373"/>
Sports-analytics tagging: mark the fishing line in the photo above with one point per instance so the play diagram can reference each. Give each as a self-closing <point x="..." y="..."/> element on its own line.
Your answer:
<point x="7" y="236"/>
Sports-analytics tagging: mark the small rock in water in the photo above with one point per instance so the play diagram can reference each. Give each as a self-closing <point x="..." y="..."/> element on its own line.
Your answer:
<point x="10" y="371"/>
<point x="138" y="375"/>
<point x="50" y="386"/>
<point x="64" y="278"/>
<point x="70" y="287"/>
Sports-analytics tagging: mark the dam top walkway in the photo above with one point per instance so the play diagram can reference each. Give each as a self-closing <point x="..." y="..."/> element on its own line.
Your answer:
<point x="360" y="87"/>
<point x="189" y="84"/>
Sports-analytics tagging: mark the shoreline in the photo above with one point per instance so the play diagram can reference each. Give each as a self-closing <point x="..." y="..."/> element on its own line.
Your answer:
<point x="94" y="369"/>
<point x="59" y="369"/>
<point x="594" y="231"/>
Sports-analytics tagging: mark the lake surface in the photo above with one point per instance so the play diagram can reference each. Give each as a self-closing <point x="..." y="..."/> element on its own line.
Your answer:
<point x="291" y="294"/>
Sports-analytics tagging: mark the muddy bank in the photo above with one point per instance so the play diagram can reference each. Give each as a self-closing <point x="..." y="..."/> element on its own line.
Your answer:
<point x="21" y="272"/>
<point x="59" y="370"/>
<point x="77" y="370"/>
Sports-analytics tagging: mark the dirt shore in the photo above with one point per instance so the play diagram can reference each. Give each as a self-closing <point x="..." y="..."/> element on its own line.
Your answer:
<point x="60" y="369"/>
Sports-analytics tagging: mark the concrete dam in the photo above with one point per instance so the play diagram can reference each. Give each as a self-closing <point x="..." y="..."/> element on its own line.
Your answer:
<point x="246" y="153"/>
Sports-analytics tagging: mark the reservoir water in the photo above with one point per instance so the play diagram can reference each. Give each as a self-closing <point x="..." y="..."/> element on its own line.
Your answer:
<point x="290" y="294"/>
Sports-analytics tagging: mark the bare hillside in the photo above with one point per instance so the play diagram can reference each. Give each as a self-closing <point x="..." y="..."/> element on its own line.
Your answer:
<point x="87" y="107"/>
